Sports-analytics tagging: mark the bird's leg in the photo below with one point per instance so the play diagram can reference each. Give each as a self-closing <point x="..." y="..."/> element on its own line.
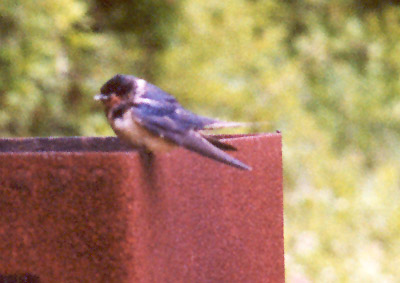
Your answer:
<point x="147" y="156"/>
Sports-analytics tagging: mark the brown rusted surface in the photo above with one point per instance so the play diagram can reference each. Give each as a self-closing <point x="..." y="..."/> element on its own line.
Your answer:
<point x="89" y="210"/>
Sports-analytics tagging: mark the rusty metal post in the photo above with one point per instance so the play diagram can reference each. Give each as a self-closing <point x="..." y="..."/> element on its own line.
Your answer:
<point x="91" y="210"/>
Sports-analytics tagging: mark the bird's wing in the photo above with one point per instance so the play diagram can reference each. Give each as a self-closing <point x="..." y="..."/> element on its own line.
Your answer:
<point x="156" y="94"/>
<point x="162" y="101"/>
<point x="169" y="124"/>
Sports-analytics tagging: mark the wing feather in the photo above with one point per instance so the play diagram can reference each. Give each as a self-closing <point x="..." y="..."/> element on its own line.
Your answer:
<point x="183" y="133"/>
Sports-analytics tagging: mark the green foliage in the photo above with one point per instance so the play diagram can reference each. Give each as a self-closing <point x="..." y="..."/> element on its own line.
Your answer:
<point x="325" y="73"/>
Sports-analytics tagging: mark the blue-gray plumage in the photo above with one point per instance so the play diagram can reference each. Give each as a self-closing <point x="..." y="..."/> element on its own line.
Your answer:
<point x="144" y="115"/>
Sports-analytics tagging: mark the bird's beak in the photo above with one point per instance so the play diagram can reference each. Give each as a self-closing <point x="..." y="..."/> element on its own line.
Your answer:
<point x="100" y="97"/>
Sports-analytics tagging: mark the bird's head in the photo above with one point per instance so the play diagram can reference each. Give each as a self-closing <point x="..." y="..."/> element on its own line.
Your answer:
<point x="118" y="88"/>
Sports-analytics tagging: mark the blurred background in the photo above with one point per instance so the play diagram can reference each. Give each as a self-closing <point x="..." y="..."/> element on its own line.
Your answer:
<point x="325" y="73"/>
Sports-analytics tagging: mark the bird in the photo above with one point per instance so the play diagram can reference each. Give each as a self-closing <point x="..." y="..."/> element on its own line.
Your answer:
<point x="143" y="115"/>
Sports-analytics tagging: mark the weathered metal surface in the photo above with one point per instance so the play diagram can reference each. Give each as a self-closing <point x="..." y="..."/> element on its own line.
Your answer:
<point x="89" y="210"/>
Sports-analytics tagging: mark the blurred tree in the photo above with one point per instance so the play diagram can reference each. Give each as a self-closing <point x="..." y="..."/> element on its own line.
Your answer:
<point x="35" y="66"/>
<point x="340" y="52"/>
<point x="55" y="55"/>
<point x="149" y="22"/>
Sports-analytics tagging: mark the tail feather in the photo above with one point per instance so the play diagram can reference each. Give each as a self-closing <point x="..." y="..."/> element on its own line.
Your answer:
<point x="195" y="142"/>
<point x="221" y="145"/>
<point x="224" y="124"/>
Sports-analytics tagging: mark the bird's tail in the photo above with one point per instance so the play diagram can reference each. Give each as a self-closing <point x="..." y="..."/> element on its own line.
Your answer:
<point x="197" y="143"/>
<point x="224" y="124"/>
<point x="221" y="145"/>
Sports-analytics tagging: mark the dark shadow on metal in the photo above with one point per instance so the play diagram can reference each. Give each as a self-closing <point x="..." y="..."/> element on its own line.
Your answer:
<point x="147" y="161"/>
<point x="64" y="144"/>
<point x="91" y="209"/>
<point x="19" y="278"/>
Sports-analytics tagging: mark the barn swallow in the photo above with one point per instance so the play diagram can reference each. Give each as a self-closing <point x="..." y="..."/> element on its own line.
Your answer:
<point x="143" y="115"/>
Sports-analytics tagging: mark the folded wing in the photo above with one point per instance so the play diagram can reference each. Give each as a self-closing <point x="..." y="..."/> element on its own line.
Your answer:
<point x="181" y="127"/>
